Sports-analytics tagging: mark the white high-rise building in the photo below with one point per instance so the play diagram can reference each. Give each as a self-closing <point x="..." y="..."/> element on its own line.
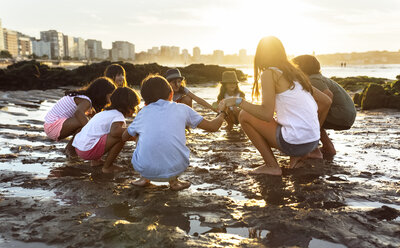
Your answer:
<point x="56" y="40"/>
<point x="94" y="49"/>
<point x="69" y="46"/>
<point x="196" y="54"/>
<point x="11" y="41"/>
<point x="122" y="50"/>
<point x="79" y="52"/>
<point x="1" y="38"/>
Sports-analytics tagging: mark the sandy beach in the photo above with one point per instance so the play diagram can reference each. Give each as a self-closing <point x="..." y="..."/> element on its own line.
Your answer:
<point x="47" y="200"/>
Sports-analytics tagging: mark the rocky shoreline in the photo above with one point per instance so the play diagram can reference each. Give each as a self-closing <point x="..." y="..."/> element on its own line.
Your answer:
<point x="31" y="75"/>
<point x="47" y="200"/>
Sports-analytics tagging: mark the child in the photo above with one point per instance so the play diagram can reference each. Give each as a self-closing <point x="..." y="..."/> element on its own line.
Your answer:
<point x="230" y="88"/>
<point x="103" y="132"/>
<point x="117" y="73"/>
<point x="159" y="128"/>
<point x="342" y="112"/>
<point x="286" y="91"/>
<point x="181" y="93"/>
<point x="68" y="115"/>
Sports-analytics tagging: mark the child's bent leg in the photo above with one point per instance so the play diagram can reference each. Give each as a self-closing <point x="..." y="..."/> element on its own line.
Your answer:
<point x="315" y="154"/>
<point x="95" y="163"/>
<point x="142" y="182"/>
<point x="327" y="145"/>
<point x="263" y="136"/>
<point x="113" y="148"/>
<point x="176" y="184"/>
<point x="70" y="150"/>
<point x="69" y="127"/>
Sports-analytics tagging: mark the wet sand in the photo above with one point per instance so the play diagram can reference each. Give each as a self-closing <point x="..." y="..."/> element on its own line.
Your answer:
<point x="47" y="200"/>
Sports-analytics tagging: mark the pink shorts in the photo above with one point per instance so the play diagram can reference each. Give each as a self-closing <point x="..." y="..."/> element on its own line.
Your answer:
<point x="53" y="130"/>
<point x="96" y="152"/>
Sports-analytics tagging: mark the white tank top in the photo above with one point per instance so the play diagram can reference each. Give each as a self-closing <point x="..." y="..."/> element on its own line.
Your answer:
<point x="64" y="108"/>
<point x="297" y="112"/>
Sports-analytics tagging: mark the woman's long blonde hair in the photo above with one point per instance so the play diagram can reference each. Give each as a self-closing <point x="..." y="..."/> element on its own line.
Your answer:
<point x="271" y="53"/>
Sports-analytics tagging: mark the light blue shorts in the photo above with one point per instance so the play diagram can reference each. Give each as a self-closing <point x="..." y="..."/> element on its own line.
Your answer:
<point x="294" y="150"/>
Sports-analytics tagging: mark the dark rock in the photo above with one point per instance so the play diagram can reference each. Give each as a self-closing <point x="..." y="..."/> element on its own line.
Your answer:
<point x="377" y="96"/>
<point x="373" y="97"/>
<point x="384" y="213"/>
<point x="28" y="75"/>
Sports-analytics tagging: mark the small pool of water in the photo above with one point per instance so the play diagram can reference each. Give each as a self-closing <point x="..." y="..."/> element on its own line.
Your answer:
<point x="196" y="228"/>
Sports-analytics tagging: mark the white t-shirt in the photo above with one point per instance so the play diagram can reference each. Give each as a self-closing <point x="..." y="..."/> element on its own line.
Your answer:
<point x="297" y="112"/>
<point x="99" y="125"/>
<point x="161" y="150"/>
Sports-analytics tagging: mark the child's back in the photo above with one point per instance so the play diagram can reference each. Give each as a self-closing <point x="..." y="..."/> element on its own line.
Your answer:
<point x="98" y="126"/>
<point x="161" y="150"/>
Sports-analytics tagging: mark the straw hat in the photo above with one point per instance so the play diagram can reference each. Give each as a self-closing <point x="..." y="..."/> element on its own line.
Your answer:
<point x="229" y="77"/>
<point x="173" y="74"/>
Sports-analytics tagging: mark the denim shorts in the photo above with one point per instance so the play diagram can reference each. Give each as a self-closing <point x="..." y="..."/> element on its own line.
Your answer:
<point x="294" y="150"/>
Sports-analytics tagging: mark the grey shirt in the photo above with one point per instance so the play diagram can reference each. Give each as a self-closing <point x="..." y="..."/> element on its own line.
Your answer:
<point x="342" y="111"/>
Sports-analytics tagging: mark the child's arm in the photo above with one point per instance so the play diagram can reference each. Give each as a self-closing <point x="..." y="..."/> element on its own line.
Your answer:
<point x="83" y="106"/>
<point x="199" y="100"/>
<point x="117" y="129"/>
<point x="213" y="125"/>
<point x="127" y="137"/>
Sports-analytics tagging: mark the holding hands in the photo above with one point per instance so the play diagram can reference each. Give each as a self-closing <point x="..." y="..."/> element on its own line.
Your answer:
<point x="229" y="102"/>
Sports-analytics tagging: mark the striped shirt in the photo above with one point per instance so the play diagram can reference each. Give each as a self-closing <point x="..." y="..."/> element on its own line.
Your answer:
<point x="64" y="108"/>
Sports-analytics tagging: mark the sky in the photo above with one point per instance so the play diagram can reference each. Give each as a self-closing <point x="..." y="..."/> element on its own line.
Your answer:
<point x="303" y="26"/>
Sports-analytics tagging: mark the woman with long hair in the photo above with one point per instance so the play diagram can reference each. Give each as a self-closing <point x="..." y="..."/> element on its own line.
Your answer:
<point x="286" y="91"/>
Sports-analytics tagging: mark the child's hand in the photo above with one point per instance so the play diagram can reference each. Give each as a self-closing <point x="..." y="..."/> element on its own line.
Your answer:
<point x="221" y="106"/>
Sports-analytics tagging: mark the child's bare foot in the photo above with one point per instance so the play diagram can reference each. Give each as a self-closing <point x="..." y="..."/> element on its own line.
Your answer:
<point x="317" y="154"/>
<point x="176" y="184"/>
<point x="296" y="162"/>
<point x="112" y="169"/>
<point x="329" y="150"/>
<point x="142" y="182"/>
<point x="264" y="169"/>
<point x="96" y="163"/>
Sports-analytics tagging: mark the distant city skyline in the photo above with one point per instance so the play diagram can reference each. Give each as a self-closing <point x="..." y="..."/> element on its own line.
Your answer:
<point x="304" y="26"/>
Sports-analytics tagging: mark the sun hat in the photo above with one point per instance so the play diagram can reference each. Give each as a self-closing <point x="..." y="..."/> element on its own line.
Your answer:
<point x="229" y="77"/>
<point x="173" y="74"/>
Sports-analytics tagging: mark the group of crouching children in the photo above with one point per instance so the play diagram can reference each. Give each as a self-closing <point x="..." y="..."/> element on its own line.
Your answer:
<point x="95" y="117"/>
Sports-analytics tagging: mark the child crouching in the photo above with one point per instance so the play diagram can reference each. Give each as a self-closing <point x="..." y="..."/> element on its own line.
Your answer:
<point x="102" y="134"/>
<point x="161" y="153"/>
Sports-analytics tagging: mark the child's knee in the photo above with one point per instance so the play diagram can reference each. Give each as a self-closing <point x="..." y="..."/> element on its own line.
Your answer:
<point x="243" y="116"/>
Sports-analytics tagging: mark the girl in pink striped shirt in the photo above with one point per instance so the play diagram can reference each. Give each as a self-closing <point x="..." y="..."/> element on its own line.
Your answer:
<point x="69" y="114"/>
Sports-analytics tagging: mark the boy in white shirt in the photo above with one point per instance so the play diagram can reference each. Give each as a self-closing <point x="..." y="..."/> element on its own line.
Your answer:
<point x="159" y="129"/>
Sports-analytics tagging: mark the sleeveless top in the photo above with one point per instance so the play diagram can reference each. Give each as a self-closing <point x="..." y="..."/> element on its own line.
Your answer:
<point x="64" y="108"/>
<point x="297" y="113"/>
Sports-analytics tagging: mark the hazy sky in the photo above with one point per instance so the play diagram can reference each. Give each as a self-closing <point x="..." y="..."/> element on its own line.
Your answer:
<point x="304" y="26"/>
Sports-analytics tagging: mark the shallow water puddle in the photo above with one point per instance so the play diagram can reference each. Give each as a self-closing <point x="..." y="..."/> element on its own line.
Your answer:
<point x="215" y="189"/>
<point x="351" y="203"/>
<point x="197" y="228"/>
<point x="34" y="168"/>
<point x="318" y="243"/>
<point x="18" y="244"/>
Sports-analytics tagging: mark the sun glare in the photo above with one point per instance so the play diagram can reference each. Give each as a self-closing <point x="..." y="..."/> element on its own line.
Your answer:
<point x="247" y="21"/>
